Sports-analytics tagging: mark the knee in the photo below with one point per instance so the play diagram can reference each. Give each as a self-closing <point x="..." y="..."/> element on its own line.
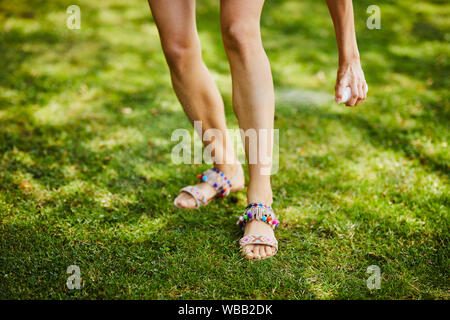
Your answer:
<point x="179" y="53"/>
<point x="241" y="37"/>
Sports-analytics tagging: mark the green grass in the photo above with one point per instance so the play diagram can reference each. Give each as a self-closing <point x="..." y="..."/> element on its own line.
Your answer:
<point x="82" y="182"/>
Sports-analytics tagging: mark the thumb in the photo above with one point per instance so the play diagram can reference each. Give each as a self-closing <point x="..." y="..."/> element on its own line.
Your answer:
<point x="339" y="92"/>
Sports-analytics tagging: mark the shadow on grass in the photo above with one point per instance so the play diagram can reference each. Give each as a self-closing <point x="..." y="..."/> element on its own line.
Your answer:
<point x="161" y="266"/>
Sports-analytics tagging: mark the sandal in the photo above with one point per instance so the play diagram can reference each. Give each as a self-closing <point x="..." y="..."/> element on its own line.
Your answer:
<point x="260" y="212"/>
<point x="216" y="179"/>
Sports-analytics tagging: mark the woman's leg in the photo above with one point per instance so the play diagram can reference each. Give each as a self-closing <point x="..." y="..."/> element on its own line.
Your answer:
<point x="253" y="99"/>
<point x="192" y="82"/>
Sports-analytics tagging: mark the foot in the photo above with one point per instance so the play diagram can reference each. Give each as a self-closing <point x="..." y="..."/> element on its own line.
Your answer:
<point x="187" y="201"/>
<point x="257" y="230"/>
<point x="258" y="251"/>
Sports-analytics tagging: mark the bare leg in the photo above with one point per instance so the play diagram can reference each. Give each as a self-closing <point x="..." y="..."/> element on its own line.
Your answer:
<point x="192" y="82"/>
<point x="253" y="97"/>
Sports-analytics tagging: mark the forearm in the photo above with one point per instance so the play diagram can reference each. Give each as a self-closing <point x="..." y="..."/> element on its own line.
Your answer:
<point x="341" y="12"/>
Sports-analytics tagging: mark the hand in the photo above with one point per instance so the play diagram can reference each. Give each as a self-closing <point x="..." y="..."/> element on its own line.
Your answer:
<point x="350" y="74"/>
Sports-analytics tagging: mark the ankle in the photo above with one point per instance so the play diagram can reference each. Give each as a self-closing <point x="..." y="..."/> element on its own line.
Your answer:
<point x="260" y="194"/>
<point x="229" y="169"/>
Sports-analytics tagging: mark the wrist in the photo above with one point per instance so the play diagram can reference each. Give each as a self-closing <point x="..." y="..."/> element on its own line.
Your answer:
<point x="348" y="59"/>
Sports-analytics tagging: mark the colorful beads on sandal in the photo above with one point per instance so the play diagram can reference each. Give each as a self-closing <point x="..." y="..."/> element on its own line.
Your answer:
<point x="258" y="211"/>
<point x="255" y="204"/>
<point x="218" y="180"/>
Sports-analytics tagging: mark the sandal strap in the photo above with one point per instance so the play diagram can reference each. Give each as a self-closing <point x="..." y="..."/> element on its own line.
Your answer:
<point x="254" y="238"/>
<point x="218" y="180"/>
<point x="197" y="194"/>
<point x="261" y="212"/>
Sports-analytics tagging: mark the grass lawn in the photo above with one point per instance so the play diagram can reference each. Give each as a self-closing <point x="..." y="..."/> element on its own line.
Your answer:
<point x="86" y="176"/>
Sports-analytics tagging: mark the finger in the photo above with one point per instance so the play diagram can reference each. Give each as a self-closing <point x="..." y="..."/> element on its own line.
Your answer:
<point x="354" y="95"/>
<point x="360" y="94"/>
<point x="365" y="89"/>
<point x="339" y="90"/>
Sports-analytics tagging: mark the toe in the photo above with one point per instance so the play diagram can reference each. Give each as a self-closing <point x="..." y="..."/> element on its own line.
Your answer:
<point x="262" y="251"/>
<point x="185" y="201"/>
<point x="247" y="252"/>
<point x="256" y="254"/>
<point x="269" y="251"/>
<point x="178" y="202"/>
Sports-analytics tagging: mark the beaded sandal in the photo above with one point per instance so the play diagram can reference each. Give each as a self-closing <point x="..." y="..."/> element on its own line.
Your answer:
<point x="216" y="179"/>
<point x="260" y="212"/>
